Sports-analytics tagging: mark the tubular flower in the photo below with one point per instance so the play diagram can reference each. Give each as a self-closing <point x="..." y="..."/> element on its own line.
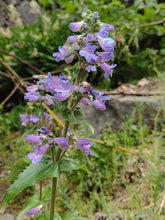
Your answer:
<point x="61" y="89"/>
<point x="35" y="139"/>
<point x="62" y="143"/>
<point x="99" y="102"/>
<point x="75" y="26"/>
<point x="88" y="53"/>
<point x="34" y="119"/>
<point x="63" y="52"/>
<point x="106" y="43"/>
<point x="85" y="101"/>
<point x="38" y="153"/>
<point x="84" y="144"/>
<point x="108" y="69"/>
<point x="24" y="119"/>
<point x="35" y="210"/>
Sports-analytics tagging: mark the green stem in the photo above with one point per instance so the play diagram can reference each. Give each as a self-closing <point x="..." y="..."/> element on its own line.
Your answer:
<point x="66" y="126"/>
<point x="53" y="197"/>
<point x="79" y="76"/>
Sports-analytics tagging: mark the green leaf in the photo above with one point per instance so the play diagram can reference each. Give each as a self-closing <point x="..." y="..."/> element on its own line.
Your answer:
<point x="89" y="125"/>
<point x="47" y="215"/>
<point x="69" y="215"/>
<point x="68" y="164"/>
<point x="71" y="115"/>
<point x="142" y="215"/>
<point x="32" y="175"/>
<point x="35" y="201"/>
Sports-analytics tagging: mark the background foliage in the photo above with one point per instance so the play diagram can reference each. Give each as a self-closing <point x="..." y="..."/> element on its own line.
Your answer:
<point x="139" y="51"/>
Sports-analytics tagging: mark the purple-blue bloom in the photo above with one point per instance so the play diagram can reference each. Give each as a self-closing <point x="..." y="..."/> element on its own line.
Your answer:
<point x="88" y="53"/>
<point x="74" y="38"/>
<point x="35" y="139"/>
<point x="75" y="26"/>
<point x="34" y="210"/>
<point x="61" y="89"/>
<point x="106" y="43"/>
<point x="108" y="27"/>
<point x="85" y="101"/>
<point x="48" y="100"/>
<point x="105" y="56"/>
<point x="99" y="101"/>
<point x="84" y="144"/>
<point x="108" y="69"/>
<point x="45" y="131"/>
<point x="103" y="33"/>
<point x="32" y="97"/>
<point x="62" y="143"/>
<point x="90" y="68"/>
<point x="63" y="52"/>
<point x="47" y="116"/>
<point x="34" y="119"/>
<point x="38" y="153"/>
<point x="24" y="119"/>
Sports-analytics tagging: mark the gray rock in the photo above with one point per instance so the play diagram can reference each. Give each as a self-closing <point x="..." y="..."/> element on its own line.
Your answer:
<point x="120" y="107"/>
<point x="7" y="217"/>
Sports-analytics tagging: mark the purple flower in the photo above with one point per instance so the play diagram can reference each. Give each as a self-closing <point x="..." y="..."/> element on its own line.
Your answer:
<point x="48" y="100"/>
<point x="64" y="77"/>
<point x="106" y="43"/>
<point x="85" y="88"/>
<point x="62" y="143"/>
<point x="87" y="52"/>
<point x="32" y="89"/>
<point x="103" y="33"/>
<point x="69" y="59"/>
<point x="105" y="56"/>
<point x="75" y="46"/>
<point x="85" y="101"/>
<point x="75" y="26"/>
<point x="99" y="101"/>
<point x="35" y="139"/>
<point x="47" y="116"/>
<point x="90" y="68"/>
<point x="38" y="153"/>
<point x="34" y="210"/>
<point x="74" y="38"/>
<point x="34" y="119"/>
<point x="24" y="119"/>
<point x="84" y="144"/>
<point x="44" y="130"/>
<point x="32" y="97"/>
<point x="108" y="69"/>
<point x="63" y="52"/>
<point x="61" y="89"/>
<point x="108" y="27"/>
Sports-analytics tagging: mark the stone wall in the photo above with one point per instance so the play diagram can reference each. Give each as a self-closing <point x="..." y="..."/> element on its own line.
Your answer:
<point x="18" y="12"/>
<point x="121" y="107"/>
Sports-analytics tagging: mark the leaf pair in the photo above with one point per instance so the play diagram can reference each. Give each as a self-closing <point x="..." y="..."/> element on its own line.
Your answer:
<point x="37" y="172"/>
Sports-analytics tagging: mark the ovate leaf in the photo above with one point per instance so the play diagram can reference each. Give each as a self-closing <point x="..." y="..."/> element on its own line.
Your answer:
<point x="32" y="175"/>
<point x="68" y="164"/>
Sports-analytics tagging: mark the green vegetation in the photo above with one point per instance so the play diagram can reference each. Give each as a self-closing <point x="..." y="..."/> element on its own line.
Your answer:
<point x="123" y="185"/>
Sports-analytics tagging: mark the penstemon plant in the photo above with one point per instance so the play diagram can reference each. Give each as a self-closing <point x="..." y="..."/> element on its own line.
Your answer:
<point x="93" y="48"/>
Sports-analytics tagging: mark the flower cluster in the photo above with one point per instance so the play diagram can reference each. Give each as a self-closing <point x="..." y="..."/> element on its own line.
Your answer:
<point x="94" y="48"/>
<point x="98" y="99"/>
<point x="45" y="140"/>
<point x="33" y="118"/>
<point x="93" y="45"/>
<point x="36" y="92"/>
